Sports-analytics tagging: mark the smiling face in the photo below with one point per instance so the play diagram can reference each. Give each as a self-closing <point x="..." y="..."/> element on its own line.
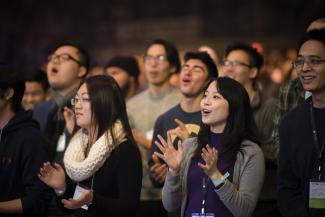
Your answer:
<point x="193" y="77"/>
<point x="157" y="67"/>
<point x="34" y="95"/>
<point x="312" y="76"/>
<point x="64" y="76"/>
<point x="214" y="108"/>
<point x="241" y="72"/>
<point x="82" y="108"/>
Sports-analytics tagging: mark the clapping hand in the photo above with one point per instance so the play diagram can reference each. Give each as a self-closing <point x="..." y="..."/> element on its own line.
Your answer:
<point x="169" y="154"/>
<point x="181" y="130"/>
<point x="85" y="198"/>
<point x="158" y="170"/>
<point x="210" y="157"/>
<point x="52" y="175"/>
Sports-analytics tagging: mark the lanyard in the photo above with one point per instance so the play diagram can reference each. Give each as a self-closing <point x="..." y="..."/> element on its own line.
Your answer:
<point x="204" y="193"/>
<point x="316" y="143"/>
<point x="92" y="183"/>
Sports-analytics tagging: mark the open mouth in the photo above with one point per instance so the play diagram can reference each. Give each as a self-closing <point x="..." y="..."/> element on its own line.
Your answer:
<point x="54" y="70"/>
<point x="186" y="81"/>
<point x="205" y="111"/>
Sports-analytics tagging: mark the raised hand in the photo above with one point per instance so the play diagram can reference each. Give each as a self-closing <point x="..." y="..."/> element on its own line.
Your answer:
<point x="210" y="157"/>
<point x="170" y="155"/>
<point x="158" y="170"/>
<point x="85" y="198"/>
<point x="181" y="130"/>
<point x="70" y="119"/>
<point x="53" y="176"/>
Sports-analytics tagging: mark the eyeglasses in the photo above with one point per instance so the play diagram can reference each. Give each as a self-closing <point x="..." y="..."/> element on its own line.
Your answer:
<point x="158" y="59"/>
<point x="312" y="62"/>
<point x="62" y="58"/>
<point x="235" y="63"/>
<point x="74" y="101"/>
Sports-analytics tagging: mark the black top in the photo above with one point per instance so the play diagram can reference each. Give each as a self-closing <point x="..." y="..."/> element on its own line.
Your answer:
<point x="22" y="154"/>
<point x="298" y="161"/>
<point x="116" y="185"/>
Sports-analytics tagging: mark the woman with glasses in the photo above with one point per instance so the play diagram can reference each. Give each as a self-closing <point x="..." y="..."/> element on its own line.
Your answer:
<point x="102" y="164"/>
<point x="219" y="173"/>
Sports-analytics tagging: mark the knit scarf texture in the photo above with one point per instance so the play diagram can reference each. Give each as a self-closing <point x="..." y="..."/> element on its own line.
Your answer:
<point x="80" y="167"/>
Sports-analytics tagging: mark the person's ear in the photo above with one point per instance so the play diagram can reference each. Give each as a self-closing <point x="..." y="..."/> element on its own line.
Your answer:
<point x="82" y="72"/>
<point x="253" y="73"/>
<point x="8" y="94"/>
<point x="172" y="70"/>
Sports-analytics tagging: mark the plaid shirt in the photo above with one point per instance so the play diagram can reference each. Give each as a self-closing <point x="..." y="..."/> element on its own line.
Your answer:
<point x="291" y="94"/>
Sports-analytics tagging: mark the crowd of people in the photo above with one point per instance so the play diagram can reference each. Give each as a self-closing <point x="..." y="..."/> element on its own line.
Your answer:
<point x="242" y="135"/>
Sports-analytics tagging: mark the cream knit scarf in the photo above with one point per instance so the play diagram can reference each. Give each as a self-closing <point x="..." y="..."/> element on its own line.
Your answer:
<point x="78" y="166"/>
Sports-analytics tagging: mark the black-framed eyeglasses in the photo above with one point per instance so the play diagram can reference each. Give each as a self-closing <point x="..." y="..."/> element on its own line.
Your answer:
<point x="313" y="62"/>
<point x="158" y="59"/>
<point x="62" y="58"/>
<point x="235" y="63"/>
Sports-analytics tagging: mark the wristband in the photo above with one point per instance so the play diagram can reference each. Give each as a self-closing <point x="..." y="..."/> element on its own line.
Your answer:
<point x="218" y="182"/>
<point x="59" y="192"/>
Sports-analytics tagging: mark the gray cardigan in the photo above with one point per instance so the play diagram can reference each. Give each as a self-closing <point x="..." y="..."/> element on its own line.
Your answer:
<point x="240" y="197"/>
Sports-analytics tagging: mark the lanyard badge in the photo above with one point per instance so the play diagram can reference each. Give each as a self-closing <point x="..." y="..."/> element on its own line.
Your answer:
<point x="317" y="187"/>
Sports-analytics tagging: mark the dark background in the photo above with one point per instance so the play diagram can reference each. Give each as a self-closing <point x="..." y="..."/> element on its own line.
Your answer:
<point x="30" y="28"/>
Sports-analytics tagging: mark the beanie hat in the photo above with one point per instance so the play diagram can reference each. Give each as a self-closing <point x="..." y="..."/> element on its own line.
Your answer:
<point x="127" y="63"/>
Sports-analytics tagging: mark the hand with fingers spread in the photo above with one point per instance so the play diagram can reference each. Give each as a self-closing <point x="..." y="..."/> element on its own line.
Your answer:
<point x="158" y="170"/>
<point x="210" y="157"/>
<point x="170" y="155"/>
<point x="85" y="198"/>
<point x="52" y="175"/>
<point x="70" y="119"/>
<point x="181" y="130"/>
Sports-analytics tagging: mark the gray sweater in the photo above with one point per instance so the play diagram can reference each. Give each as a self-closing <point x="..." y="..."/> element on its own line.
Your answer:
<point x="239" y="197"/>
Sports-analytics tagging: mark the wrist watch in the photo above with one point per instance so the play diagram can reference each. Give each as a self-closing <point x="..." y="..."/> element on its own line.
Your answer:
<point x="218" y="182"/>
<point x="60" y="192"/>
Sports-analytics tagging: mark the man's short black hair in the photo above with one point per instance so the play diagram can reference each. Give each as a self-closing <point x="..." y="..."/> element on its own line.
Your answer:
<point x="256" y="59"/>
<point x="206" y="59"/>
<point x="315" y="35"/>
<point x="9" y="79"/>
<point x="37" y="75"/>
<point x="171" y="52"/>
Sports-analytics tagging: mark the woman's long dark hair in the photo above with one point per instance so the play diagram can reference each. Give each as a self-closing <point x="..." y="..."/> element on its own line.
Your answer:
<point x="107" y="105"/>
<point x="240" y="123"/>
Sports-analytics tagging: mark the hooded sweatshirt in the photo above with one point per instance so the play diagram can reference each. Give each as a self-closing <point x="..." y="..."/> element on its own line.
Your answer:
<point x="22" y="153"/>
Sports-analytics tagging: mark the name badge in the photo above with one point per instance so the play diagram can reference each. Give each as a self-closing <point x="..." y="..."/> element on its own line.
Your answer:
<point x="149" y="134"/>
<point x="77" y="194"/>
<point x="202" y="215"/>
<point x="317" y="194"/>
<point x="61" y="143"/>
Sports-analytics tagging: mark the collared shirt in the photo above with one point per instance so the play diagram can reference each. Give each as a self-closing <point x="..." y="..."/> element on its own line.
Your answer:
<point x="291" y="94"/>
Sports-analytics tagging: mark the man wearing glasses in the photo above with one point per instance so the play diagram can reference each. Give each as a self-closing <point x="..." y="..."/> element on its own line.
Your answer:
<point x="243" y="63"/>
<point x="66" y="68"/>
<point x="161" y="60"/>
<point x="302" y="136"/>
